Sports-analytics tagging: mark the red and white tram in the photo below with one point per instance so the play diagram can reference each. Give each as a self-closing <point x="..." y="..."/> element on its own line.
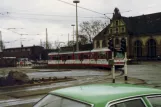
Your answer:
<point x="93" y="58"/>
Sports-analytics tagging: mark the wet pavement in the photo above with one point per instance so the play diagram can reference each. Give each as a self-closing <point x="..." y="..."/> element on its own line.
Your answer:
<point x="89" y="76"/>
<point x="150" y="72"/>
<point x="72" y="73"/>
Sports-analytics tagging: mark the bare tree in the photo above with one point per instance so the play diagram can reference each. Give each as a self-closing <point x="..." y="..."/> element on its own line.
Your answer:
<point x="58" y="44"/>
<point x="83" y="39"/>
<point x="91" y="28"/>
<point x="71" y="43"/>
<point x="50" y="46"/>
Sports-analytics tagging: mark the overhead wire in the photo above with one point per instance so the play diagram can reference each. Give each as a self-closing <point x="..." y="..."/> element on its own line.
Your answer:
<point x="84" y="8"/>
<point x="48" y="15"/>
<point x="51" y="15"/>
<point x="62" y="15"/>
<point x="37" y="18"/>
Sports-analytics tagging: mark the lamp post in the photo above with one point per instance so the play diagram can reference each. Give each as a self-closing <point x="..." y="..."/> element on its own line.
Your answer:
<point x="77" y="47"/>
<point x="73" y="36"/>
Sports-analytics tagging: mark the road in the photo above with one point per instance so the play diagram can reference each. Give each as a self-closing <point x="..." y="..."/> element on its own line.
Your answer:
<point x="82" y="76"/>
<point x="70" y="73"/>
<point x="147" y="71"/>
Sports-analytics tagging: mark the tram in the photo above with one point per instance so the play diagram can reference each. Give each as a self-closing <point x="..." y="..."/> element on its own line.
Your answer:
<point x="93" y="58"/>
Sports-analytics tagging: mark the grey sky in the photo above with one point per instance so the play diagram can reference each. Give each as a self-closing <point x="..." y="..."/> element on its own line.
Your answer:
<point x="58" y="17"/>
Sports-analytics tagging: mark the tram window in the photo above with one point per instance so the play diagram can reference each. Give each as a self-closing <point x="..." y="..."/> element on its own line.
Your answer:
<point x="119" y="55"/>
<point x="107" y="55"/>
<point x="50" y="57"/>
<point x="64" y="57"/>
<point x="102" y="55"/>
<point x="69" y="57"/>
<point x="56" y="57"/>
<point x="95" y="56"/>
<point x="86" y="56"/>
<point x="76" y="56"/>
<point x="81" y="57"/>
<point x="91" y="56"/>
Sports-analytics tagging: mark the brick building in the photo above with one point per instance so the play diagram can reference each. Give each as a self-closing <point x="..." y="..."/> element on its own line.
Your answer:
<point x="142" y="34"/>
<point x="31" y="52"/>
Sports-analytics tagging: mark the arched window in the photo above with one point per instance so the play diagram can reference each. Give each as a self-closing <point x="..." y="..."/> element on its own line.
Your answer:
<point x="104" y="44"/>
<point x="117" y="41"/>
<point x="98" y="44"/>
<point x="151" y="48"/>
<point x="123" y="29"/>
<point x="137" y="49"/>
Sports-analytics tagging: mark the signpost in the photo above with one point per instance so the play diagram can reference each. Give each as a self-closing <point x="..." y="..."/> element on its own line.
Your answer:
<point x="123" y="48"/>
<point x="111" y="62"/>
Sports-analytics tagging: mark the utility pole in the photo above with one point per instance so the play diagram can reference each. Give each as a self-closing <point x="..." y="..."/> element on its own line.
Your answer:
<point x="1" y="44"/>
<point x="73" y="36"/>
<point x="47" y="39"/>
<point x="68" y="39"/>
<point x="77" y="45"/>
<point x="40" y="42"/>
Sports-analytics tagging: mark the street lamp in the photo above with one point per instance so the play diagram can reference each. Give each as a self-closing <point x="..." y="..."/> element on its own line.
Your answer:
<point x="77" y="47"/>
<point x="73" y="36"/>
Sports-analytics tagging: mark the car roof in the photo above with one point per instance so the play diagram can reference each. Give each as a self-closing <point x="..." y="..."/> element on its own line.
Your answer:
<point x="103" y="93"/>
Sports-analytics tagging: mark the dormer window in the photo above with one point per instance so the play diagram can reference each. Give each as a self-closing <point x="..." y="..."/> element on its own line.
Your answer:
<point x="117" y="22"/>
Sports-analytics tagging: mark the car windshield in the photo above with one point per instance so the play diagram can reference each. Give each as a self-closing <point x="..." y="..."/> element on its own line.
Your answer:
<point x="55" y="101"/>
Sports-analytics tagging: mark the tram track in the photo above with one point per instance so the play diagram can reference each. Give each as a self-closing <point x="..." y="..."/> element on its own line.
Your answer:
<point x="80" y="81"/>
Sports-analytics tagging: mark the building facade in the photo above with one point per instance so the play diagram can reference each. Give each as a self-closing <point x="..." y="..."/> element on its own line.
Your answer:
<point x="31" y="52"/>
<point x="142" y="34"/>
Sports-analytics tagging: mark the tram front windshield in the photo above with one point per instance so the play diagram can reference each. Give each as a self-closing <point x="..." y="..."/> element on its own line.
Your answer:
<point x="119" y="54"/>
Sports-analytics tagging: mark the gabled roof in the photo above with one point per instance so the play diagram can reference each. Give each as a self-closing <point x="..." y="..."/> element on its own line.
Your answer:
<point x="101" y="35"/>
<point x="149" y="24"/>
<point x="145" y="24"/>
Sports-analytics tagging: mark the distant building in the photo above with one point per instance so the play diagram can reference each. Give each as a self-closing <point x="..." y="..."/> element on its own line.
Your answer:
<point x="143" y="35"/>
<point x="31" y="52"/>
<point x="38" y="52"/>
<point x="73" y="48"/>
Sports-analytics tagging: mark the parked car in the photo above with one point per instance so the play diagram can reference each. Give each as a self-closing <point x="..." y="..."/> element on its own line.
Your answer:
<point x="103" y="95"/>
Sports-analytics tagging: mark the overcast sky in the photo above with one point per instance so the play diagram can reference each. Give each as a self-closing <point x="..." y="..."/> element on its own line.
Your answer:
<point x="36" y="15"/>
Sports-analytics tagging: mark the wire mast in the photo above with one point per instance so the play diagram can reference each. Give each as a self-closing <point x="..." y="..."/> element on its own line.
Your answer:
<point x="47" y="45"/>
<point x="1" y="44"/>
